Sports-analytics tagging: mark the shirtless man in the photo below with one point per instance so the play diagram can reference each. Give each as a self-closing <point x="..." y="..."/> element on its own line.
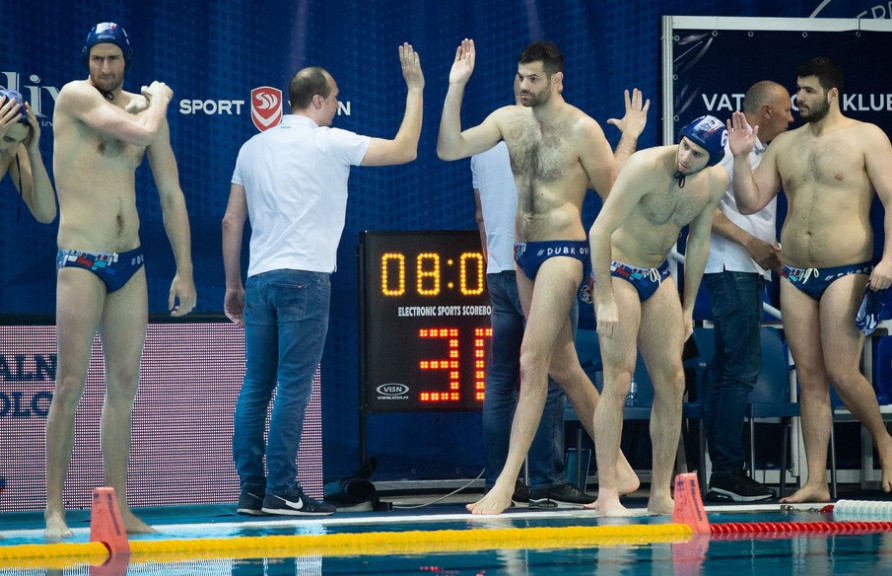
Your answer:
<point x="101" y="282"/>
<point x="557" y="152"/>
<point x="20" y="156"/>
<point x="829" y="169"/>
<point x="659" y="191"/>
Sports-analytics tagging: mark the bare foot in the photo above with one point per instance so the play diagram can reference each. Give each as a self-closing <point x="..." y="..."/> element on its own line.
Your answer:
<point x="626" y="479"/>
<point x="609" y="507"/>
<point x="808" y="493"/>
<point x="134" y="525"/>
<point x="658" y="505"/>
<point x="886" y="465"/>
<point x="592" y="506"/>
<point x="56" y="528"/>
<point x="493" y="502"/>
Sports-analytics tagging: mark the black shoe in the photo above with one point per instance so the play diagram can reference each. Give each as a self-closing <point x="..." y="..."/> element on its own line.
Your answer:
<point x="565" y="494"/>
<point x="737" y="488"/>
<point x="296" y="503"/>
<point x="521" y="492"/>
<point x="250" y="504"/>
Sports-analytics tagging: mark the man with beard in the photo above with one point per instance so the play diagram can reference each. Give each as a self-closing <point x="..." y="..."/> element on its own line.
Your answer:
<point x="495" y="199"/>
<point x="659" y="191"/>
<point x="101" y="136"/>
<point x="830" y="169"/>
<point x="557" y="152"/>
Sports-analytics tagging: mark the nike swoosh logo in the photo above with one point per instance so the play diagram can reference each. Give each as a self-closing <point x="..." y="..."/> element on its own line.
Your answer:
<point x="296" y="505"/>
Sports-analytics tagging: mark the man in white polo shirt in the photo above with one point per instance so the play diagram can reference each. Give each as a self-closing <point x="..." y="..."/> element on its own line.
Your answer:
<point x="742" y="252"/>
<point x="291" y="182"/>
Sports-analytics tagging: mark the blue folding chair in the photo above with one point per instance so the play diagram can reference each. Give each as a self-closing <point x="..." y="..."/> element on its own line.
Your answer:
<point x="882" y="371"/>
<point x="770" y="398"/>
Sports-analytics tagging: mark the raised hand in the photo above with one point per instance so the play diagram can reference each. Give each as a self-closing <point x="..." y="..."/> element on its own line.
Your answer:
<point x="9" y="114"/>
<point x="411" y="65"/>
<point x="635" y="119"/>
<point x="741" y="139"/>
<point x="463" y="66"/>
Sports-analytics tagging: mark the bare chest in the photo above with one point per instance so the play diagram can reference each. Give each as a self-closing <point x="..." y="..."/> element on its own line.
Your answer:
<point x="118" y="152"/>
<point x="828" y="161"/>
<point x="538" y="155"/>
<point x="676" y="206"/>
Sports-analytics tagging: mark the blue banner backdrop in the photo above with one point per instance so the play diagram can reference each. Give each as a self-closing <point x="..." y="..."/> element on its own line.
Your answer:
<point x="214" y="53"/>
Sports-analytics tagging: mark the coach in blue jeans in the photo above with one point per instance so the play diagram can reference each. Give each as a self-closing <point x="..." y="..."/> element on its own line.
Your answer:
<point x="291" y="182"/>
<point x="742" y="252"/>
<point x="736" y="301"/>
<point x="286" y="321"/>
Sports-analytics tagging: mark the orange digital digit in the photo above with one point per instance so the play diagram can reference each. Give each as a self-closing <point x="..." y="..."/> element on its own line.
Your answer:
<point x="427" y="274"/>
<point x="480" y="337"/>
<point x="450" y="365"/>
<point x="397" y="261"/>
<point x="472" y="275"/>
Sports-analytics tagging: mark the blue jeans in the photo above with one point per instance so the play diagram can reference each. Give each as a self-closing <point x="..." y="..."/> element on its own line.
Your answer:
<point x="736" y="299"/>
<point x="546" y="456"/>
<point x="286" y="320"/>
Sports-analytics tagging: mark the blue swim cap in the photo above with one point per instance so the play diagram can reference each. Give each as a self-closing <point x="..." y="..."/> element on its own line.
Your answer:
<point x="111" y="33"/>
<point x="13" y="95"/>
<point x="709" y="133"/>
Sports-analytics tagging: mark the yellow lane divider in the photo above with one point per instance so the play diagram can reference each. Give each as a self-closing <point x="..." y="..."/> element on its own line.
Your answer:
<point x="346" y="544"/>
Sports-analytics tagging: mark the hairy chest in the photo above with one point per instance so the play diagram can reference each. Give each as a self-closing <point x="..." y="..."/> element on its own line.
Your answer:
<point x="540" y="155"/>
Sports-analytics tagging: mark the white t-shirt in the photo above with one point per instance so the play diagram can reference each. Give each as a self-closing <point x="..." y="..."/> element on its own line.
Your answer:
<point x="725" y="254"/>
<point x="491" y="175"/>
<point x="295" y="178"/>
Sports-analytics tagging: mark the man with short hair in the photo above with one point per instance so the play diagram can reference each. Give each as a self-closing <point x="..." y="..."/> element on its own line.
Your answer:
<point x="830" y="169"/>
<point x="291" y="181"/>
<point x="557" y="152"/>
<point x="659" y="191"/>
<point x="742" y="253"/>
<point x="495" y="198"/>
<point x="101" y="136"/>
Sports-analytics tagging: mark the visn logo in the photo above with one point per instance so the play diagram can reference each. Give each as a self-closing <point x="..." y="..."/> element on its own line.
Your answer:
<point x="392" y="389"/>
